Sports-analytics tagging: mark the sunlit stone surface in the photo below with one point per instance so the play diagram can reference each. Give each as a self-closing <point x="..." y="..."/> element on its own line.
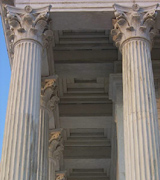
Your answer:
<point x="82" y="102"/>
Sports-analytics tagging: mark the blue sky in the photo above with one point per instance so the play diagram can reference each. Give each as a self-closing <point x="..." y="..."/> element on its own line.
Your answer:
<point x="5" y="74"/>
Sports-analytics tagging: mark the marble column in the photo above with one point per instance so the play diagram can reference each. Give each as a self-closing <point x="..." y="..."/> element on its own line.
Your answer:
<point x="46" y="112"/>
<point x="116" y="95"/>
<point x="55" y="152"/>
<point x="134" y="29"/>
<point x="25" y="31"/>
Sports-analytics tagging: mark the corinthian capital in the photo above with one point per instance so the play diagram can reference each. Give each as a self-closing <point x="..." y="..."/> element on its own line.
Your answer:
<point x="26" y="23"/>
<point x="134" y="22"/>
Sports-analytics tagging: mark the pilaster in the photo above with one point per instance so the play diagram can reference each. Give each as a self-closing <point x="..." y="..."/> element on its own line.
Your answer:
<point x="116" y="95"/>
<point x="113" y="170"/>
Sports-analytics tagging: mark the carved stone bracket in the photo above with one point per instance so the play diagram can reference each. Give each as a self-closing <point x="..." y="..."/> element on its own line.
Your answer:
<point x="48" y="83"/>
<point x="134" y="22"/>
<point x="55" y="135"/>
<point x="27" y="23"/>
<point x="52" y="102"/>
<point x="61" y="175"/>
<point x="49" y="93"/>
<point x="56" y="146"/>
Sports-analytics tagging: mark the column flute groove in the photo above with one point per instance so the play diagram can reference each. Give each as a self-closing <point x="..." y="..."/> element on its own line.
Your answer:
<point x="19" y="156"/>
<point x="133" y="33"/>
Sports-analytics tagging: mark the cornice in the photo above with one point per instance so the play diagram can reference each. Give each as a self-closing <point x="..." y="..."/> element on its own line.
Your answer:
<point x="81" y="5"/>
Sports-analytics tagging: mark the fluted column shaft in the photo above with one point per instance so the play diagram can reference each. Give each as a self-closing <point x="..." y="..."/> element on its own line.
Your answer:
<point x="22" y="118"/>
<point x="42" y="173"/>
<point x="25" y="32"/>
<point x="140" y="113"/>
<point x="134" y="29"/>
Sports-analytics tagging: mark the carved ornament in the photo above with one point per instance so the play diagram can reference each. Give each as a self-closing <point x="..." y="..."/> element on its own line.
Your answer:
<point x="51" y="104"/>
<point x="61" y="176"/>
<point x="56" y="146"/>
<point x="48" y="83"/>
<point x="49" y="94"/>
<point x="134" y="22"/>
<point x="27" y="23"/>
<point x="55" y="135"/>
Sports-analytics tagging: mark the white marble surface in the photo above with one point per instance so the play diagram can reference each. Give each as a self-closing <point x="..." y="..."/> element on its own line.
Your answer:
<point x="82" y="5"/>
<point x="48" y="91"/>
<point x="141" y="134"/>
<point x="19" y="156"/>
<point x="116" y="94"/>
<point x="42" y="162"/>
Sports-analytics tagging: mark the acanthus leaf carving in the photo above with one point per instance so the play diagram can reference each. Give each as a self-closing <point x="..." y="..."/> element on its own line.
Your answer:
<point x="49" y="93"/>
<point x="55" y="135"/>
<point x="56" y="146"/>
<point x="61" y="175"/>
<point x="48" y="83"/>
<point x="26" y="23"/>
<point x="134" y="22"/>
